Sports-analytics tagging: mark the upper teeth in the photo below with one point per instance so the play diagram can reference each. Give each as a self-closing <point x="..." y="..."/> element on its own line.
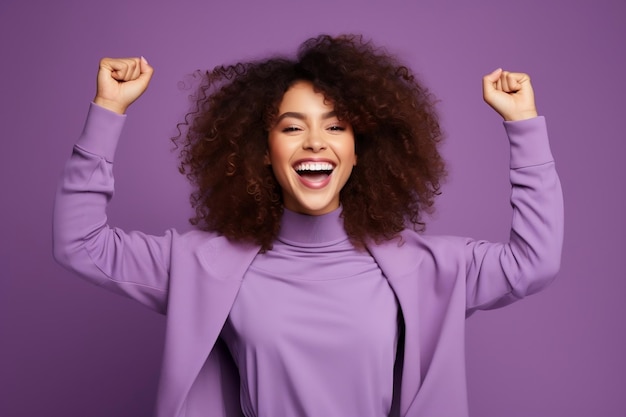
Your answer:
<point x="314" y="166"/>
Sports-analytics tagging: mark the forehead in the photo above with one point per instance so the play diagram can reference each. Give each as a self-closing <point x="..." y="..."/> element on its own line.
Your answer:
<point x="301" y="96"/>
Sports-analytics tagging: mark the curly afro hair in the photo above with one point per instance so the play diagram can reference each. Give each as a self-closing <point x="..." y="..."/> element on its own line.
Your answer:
<point x="223" y="141"/>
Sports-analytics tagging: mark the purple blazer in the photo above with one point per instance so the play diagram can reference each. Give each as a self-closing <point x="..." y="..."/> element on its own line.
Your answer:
<point x="194" y="277"/>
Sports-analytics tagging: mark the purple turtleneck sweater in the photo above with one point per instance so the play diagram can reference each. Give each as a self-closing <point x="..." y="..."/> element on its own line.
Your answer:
<point x="314" y="327"/>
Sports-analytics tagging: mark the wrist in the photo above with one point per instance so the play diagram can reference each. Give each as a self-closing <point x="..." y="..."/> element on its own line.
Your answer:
<point x="514" y="117"/>
<point x="110" y="105"/>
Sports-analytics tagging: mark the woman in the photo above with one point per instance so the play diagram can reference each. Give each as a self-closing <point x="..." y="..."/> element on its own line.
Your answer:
<point x="307" y="289"/>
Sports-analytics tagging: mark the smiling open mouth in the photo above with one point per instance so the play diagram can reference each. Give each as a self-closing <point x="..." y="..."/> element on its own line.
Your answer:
<point x="314" y="171"/>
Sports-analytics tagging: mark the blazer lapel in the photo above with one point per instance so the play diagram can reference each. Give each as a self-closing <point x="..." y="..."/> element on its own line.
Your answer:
<point x="199" y="305"/>
<point x="399" y="262"/>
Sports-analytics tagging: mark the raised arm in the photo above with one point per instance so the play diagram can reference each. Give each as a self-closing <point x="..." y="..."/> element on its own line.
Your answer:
<point x="500" y="273"/>
<point x="133" y="264"/>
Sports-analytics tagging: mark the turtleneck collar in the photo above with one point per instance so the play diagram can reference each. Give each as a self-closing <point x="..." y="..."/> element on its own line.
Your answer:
<point x="309" y="230"/>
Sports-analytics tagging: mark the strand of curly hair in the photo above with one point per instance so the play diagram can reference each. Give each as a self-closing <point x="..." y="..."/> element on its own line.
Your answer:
<point x="223" y="141"/>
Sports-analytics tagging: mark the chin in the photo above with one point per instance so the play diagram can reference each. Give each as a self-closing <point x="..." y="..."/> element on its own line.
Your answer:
<point x="313" y="209"/>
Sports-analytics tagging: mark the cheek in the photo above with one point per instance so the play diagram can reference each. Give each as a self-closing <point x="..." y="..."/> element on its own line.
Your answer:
<point x="349" y="151"/>
<point x="273" y="156"/>
<point x="278" y="153"/>
<point x="278" y="160"/>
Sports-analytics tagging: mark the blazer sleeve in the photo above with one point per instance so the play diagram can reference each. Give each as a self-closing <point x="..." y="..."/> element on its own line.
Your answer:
<point x="133" y="264"/>
<point x="500" y="273"/>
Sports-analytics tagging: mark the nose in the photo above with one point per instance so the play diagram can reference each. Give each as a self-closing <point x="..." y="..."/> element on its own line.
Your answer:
<point x="314" y="141"/>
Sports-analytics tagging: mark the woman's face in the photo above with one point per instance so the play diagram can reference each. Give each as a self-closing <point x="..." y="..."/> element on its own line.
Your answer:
<point x="310" y="150"/>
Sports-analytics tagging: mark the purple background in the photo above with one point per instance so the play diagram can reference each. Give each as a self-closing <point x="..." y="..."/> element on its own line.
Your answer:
<point x="70" y="349"/>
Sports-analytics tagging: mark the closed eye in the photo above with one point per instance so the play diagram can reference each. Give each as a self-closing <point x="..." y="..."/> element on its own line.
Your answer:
<point x="291" y="129"/>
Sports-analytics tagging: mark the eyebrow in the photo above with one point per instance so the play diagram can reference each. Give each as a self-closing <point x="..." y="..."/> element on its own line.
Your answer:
<point x="303" y="116"/>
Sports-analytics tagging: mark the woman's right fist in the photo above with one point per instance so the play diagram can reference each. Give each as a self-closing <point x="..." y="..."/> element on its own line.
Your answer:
<point x="121" y="81"/>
